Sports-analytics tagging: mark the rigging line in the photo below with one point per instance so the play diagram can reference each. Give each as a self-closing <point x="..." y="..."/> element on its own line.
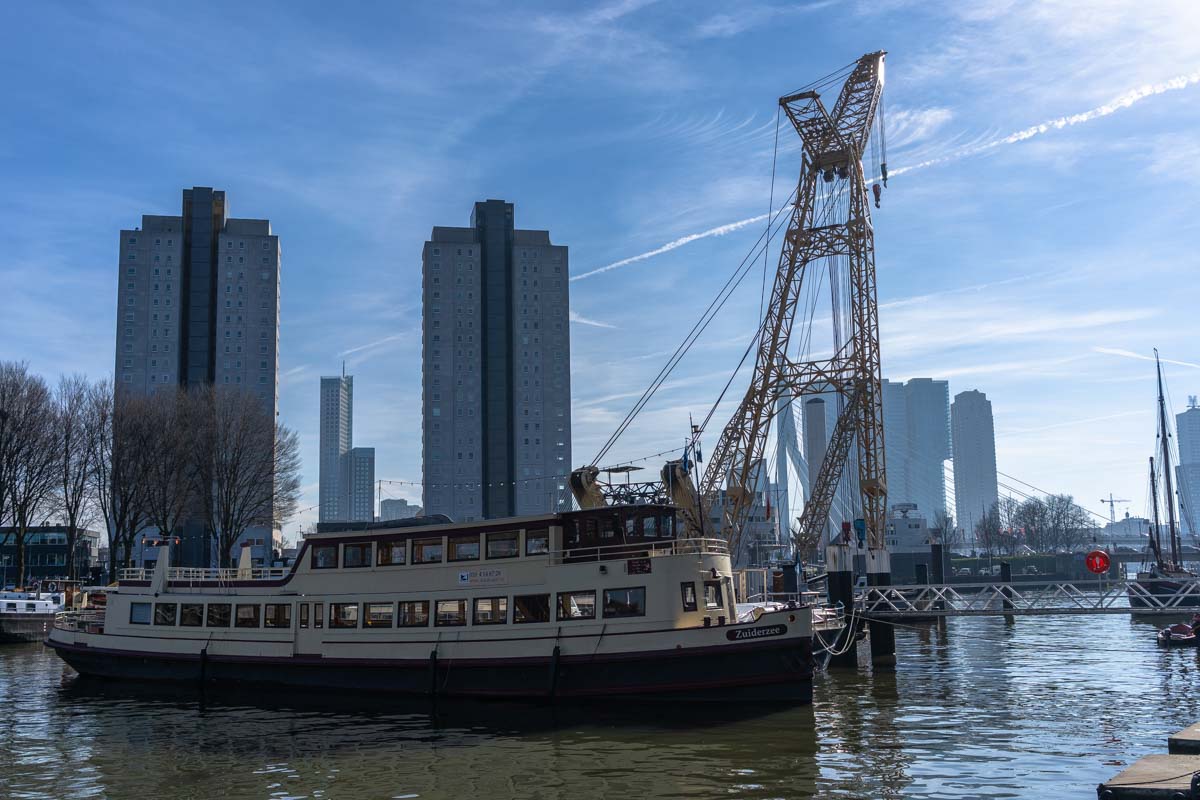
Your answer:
<point x="680" y="351"/>
<point x="1103" y="517"/>
<point x="706" y="318"/>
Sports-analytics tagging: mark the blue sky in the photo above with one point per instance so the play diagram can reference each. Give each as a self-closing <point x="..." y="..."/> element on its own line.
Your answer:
<point x="1040" y="268"/>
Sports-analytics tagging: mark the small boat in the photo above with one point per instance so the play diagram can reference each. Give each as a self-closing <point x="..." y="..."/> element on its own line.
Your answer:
<point x="27" y="616"/>
<point x="1178" y="635"/>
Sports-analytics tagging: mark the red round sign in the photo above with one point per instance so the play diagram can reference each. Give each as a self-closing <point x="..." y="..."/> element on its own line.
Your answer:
<point x="1098" y="562"/>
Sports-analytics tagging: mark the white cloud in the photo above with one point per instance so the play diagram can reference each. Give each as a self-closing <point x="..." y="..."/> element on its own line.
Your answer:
<point x="1116" y="351"/>
<point x="582" y="320"/>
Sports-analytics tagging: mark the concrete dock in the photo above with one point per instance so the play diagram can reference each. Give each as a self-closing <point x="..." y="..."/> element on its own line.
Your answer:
<point x="1160" y="777"/>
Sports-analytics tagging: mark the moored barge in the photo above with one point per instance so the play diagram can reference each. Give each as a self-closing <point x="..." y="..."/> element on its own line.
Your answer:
<point x="591" y="603"/>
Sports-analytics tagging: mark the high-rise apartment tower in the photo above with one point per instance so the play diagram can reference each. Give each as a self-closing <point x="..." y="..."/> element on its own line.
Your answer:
<point x="1187" y="428"/>
<point x="496" y="369"/>
<point x="198" y="303"/>
<point x="337" y="437"/>
<point x="916" y="431"/>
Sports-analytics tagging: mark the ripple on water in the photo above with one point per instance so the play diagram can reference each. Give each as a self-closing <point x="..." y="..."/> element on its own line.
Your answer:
<point x="978" y="709"/>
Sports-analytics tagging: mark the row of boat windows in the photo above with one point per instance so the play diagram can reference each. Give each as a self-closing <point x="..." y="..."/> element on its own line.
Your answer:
<point x="436" y="550"/>
<point x="568" y="606"/>
<point x="581" y="605"/>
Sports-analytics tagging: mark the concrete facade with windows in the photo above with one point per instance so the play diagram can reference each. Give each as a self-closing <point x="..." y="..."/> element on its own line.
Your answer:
<point x="1187" y="429"/>
<point x="398" y="509"/>
<point x="496" y="369"/>
<point x="47" y="556"/>
<point x="360" y="485"/>
<point x="975" y="480"/>
<point x="916" y="433"/>
<point x="198" y="300"/>
<point x="198" y="304"/>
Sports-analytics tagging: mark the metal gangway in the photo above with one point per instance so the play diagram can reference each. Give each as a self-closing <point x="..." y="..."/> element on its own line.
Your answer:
<point x="1028" y="599"/>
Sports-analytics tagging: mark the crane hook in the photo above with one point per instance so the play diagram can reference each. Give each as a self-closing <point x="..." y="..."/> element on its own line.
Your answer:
<point x="878" y="192"/>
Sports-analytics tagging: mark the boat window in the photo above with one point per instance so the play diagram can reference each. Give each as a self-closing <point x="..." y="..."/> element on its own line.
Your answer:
<point x="377" y="615"/>
<point x="464" y="548"/>
<point x="631" y="530"/>
<point x="537" y="542"/>
<point x="712" y="594"/>
<point x="491" y="610"/>
<point x="390" y="554"/>
<point x="304" y="615"/>
<point x="356" y="555"/>
<point x="278" y="615"/>
<point x="688" y="591"/>
<point x="629" y="602"/>
<point x="318" y="615"/>
<point x="503" y="545"/>
<point x="218" y="615"/>
<point x="164" y="613"/>
<point x="191" y="615"/>
<point x="343" y="615"/>
<point x="414" y="613"/>
<point x="609" y="527"/>
<point x="247" y="616"/>
<point x="451" y="613"/>
<point x="531" y="608"/>
<point x="650" y="527"/>
<point x="324" y="556"/>
<point x="427" y="551"/>
<point x="668" y="525"/>
<point x="10" y="606"/>
<point x="576" y="605"/>
<point x="139" y="613"/>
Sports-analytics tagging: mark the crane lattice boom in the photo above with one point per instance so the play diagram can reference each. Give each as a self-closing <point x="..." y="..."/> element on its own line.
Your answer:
<point x="819" y="229"/>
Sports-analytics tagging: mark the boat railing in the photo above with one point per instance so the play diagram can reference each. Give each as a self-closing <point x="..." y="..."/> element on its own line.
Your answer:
<point x="628" y="550"/>
<point x="207" y="574"/>
<point x="88" y="620"/>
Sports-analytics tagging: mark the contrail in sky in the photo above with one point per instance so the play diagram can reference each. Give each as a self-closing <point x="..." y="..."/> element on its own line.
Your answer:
<point x="1111" y="107"/>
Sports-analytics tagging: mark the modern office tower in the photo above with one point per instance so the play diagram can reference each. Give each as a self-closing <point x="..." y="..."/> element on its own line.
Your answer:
<point x="496" y="369"/>
<point x="916" y="435"/>
<point x="1187" y="430"/>
<point x="975" y="486"/>
<point x="360" y="484"/>
<point x="398" y="509"/>
<point x="337" y="437"/>
<point x="197" y="304"/>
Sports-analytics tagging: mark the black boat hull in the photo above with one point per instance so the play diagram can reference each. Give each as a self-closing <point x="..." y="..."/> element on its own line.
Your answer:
<point x="777" y="672"/>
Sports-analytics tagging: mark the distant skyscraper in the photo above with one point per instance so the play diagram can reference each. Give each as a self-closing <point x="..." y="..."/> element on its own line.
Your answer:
<point x="360" y="484"/>
<point x="496" y="369"/>
<point x="975" y="487"/>
<point x="347" y="483"/>
<point x="198" y="304"/>
<point x="398" y="509"/>
<point x="1187" y="428"/>
<point x="916" y="435"/>
<point x="818" y="417"/>
<point x="337" y="437"/>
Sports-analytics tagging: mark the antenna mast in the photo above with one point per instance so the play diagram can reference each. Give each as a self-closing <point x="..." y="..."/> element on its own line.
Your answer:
<point x="1169" y="498"/>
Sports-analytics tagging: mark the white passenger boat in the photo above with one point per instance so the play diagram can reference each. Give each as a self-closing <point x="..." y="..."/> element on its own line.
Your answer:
<point x="589" y="603"/>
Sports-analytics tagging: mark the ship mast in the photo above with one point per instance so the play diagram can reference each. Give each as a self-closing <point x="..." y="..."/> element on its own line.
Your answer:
<point x="1176" y="554"/>
<point x="1155" y="542"/>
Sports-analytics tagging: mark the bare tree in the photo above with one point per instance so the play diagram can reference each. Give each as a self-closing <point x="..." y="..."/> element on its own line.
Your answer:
<point x="168" y="455"/>
<point x="30" y="451"/>
<point x="943" y="524"/>
<point x="249" y="467"/>
<point x="117" y="472"/>
<point x="72" y="421"/>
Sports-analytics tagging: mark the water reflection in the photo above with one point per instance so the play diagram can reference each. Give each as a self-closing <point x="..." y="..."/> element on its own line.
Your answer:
<point x="1039" y="707"/>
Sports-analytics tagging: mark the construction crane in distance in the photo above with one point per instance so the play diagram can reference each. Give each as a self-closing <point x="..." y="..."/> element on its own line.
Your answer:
<point x="1112" y="506"/>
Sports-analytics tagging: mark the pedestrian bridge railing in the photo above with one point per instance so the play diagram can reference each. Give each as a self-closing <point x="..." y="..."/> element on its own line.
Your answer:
<point x="1008" y="599"/>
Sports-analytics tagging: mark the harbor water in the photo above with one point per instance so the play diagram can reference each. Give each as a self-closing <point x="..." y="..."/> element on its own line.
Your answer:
<point x="1044" y="707"/>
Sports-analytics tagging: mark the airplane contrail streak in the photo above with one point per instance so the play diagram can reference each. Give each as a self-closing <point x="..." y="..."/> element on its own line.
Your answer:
<point x="1111" y="107"/>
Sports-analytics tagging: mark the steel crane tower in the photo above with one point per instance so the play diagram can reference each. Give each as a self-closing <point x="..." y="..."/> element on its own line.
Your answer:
<point x="831" y="219"/>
